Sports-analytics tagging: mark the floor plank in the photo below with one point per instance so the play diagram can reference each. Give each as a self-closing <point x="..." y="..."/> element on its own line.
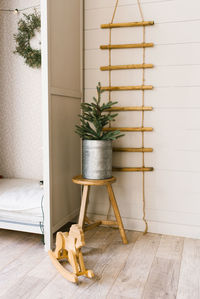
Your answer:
<point x="9" y="237"/>
<point x="189" y="281"/>
<point x="15" y="246"/>
<point x="164" y="275"/>
<point x="151" y="266"/>
<point x="131" y="280"/>
<point x="102" y="237"/>
<point x="19" y="267"/>
<point x="107" y="268"/>
<point x="110" y="296"/>
<point x="96" y="244"/>
<point x="31" y="284"/>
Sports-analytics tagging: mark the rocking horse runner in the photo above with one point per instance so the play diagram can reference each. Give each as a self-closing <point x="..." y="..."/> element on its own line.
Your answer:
<point x="68" y="246"/>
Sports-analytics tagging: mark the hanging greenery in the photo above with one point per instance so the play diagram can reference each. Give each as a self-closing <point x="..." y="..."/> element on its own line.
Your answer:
<point x="27" y="27"/>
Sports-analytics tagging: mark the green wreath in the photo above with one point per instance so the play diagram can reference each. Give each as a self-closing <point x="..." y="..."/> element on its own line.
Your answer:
<point x="26" y="31"/>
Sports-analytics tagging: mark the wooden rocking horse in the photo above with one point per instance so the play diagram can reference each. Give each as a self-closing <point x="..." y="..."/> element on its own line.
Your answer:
<point x="68" y="247"/>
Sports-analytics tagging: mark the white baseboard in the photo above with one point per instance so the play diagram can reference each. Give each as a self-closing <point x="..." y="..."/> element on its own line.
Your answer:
<point x="174" y="229"/>
<point x="66" y="219"/>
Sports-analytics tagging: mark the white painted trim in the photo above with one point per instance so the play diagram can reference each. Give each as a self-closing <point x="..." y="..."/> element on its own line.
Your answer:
<point x="174" y="229"/>
<point x="46" y="126"/>
<point x="66" y="219"/>
<point x="66" y="93"/>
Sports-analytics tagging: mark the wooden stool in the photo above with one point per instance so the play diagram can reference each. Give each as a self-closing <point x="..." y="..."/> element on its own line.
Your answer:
<point x="82" y="216"/>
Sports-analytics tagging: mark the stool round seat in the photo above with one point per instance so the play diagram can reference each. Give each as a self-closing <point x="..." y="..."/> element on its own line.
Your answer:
<point x="81" y="181"/>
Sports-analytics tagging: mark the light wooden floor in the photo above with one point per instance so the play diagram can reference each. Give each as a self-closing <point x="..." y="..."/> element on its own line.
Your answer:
<point x="151" y="267"/>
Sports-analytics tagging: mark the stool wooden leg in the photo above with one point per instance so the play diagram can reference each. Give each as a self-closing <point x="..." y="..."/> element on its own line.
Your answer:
<point x="117" y="213"/>
<point x="83" y="206"/>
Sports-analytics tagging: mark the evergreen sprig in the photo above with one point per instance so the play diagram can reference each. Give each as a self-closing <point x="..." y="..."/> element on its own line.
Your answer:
<point x="26" y="31"/>
<point x="94" y="119"/>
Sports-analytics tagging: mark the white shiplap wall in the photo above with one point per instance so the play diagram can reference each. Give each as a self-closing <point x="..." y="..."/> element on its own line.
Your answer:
<point x="172" y="190"/>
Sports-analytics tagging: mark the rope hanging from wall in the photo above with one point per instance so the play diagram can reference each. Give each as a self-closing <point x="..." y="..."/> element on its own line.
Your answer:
<point x="141" y="87"/>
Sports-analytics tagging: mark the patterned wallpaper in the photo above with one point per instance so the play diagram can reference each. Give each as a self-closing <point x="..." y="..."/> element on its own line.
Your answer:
<point x="20" y="103"/>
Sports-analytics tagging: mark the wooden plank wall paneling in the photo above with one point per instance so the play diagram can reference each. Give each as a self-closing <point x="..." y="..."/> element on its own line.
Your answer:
<point x="172" y="192"/>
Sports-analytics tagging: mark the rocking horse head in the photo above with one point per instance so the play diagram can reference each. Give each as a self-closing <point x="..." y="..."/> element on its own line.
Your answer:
<point x="77" y="234"/>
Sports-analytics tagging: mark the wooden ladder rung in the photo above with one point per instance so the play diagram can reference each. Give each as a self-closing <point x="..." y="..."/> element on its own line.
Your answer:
<point x="126" y="46"/>
<point x="132" y="169"/>
<point x="133" y="149"/>
<point x="135" y="129"/>
<point x="117" y="88"/>
<point x="129" y="24"/>
<point x="125" y="67"/>
<point x="131" y="108"/>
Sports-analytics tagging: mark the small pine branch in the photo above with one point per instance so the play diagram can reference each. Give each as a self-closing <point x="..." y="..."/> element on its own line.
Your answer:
<point x="95" y="117"/>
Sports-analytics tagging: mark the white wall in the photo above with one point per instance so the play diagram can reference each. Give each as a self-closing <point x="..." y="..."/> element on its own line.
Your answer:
<point x="20" y="102"/>
<point x="172" y="190"/>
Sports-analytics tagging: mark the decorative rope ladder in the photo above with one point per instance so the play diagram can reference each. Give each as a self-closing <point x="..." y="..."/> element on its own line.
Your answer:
<point x="142" y="87"/>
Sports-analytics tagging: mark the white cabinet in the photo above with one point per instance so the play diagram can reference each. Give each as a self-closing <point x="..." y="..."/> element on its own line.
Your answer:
<point x="62" y="92"/>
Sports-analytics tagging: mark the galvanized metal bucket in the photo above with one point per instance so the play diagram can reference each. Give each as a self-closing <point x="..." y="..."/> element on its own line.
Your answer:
<point x="97" y="159"/>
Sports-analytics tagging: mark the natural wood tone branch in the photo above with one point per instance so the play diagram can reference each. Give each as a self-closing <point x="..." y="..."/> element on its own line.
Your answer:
<point x="116" y="88"/>
<point x="131" y="108"/>
<point x="129" y="24"/>
<point x="133" y="149"/>
<point x="124" y="129"/>
<point x="132" y="169"/>
<point x="125" y="67"/>
<point x="126" y="46"/>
